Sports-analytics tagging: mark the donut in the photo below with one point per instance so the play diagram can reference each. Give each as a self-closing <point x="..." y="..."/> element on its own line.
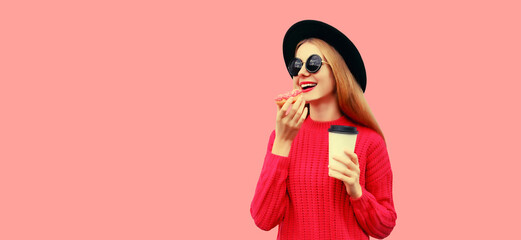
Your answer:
<point x="282" y="98"/>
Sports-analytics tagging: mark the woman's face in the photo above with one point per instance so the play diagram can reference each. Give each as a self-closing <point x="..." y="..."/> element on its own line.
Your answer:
<point x="324" y="79"/>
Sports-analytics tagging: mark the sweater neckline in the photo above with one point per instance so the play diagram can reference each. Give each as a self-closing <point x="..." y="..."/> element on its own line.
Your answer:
<point x="326" y="124"/>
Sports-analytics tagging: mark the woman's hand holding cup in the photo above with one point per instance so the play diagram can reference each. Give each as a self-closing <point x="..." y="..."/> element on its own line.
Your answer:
<point x="347" y="170"/>
<point x="288" y="122"/>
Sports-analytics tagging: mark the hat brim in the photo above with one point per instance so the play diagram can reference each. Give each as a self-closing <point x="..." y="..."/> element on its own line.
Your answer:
<point x="316" y="29"/>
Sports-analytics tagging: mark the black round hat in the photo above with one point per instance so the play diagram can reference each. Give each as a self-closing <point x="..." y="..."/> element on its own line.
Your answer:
<point x="316" y="29"/>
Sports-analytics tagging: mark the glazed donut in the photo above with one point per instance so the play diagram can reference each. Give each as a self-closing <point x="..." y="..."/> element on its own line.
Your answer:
<point x="282" y="98"/>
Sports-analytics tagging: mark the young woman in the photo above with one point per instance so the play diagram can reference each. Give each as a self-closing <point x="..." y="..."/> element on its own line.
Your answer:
<point x="297" y="188"/>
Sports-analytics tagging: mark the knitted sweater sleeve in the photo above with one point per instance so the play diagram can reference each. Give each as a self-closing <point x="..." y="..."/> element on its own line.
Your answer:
<point x="374" y="211"/>
<point x="271" y="200"/>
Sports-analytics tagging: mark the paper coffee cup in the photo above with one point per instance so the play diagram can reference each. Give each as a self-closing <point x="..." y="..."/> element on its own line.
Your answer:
<point x="341" y="138"/>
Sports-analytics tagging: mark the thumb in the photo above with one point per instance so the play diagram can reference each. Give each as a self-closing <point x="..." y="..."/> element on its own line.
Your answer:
<point x="352" y="156"/>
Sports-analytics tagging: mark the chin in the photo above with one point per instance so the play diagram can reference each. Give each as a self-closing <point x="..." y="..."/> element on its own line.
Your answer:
<point x="310" y="99"/>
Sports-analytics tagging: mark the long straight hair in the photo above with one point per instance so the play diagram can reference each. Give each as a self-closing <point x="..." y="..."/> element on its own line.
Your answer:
<point x="350" y="96"/>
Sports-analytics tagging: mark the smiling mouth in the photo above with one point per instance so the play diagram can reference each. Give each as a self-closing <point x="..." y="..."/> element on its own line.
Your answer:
<point x="307" y="87"/>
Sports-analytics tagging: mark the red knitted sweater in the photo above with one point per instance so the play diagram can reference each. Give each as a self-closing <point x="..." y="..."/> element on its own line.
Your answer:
<point x="296" y="192"/>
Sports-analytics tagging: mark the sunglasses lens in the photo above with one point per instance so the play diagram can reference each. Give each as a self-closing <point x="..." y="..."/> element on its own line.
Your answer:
<point x="294" y="66"/>
<point x="313" y="63"/>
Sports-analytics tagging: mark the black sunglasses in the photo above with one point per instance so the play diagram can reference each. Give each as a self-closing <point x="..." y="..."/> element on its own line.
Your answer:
<point x="313" y="64"/>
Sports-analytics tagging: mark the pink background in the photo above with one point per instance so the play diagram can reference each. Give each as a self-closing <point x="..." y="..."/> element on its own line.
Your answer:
<point x="150" y="120"/>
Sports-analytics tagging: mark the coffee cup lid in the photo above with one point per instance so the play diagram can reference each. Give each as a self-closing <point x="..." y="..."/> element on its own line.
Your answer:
<point x="343" y="129"/>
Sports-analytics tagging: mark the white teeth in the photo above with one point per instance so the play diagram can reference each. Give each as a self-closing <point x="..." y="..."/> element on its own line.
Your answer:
<point x="308" y="85"/>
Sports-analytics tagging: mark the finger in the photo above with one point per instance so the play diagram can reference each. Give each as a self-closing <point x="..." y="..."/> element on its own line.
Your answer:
<point x="302" y="117"/>
<point x="342" y="159"/>
<point x="346" y="162"/>
<point x="301" y="104"/>
<point x="345" y="179"/>
<point x="296" y="104"/>
<point x="339" y="176"/>
<point x="302" y="101"/>
<point x="342" y="169"/>
<point x="284" y="108"/>
<point x="293" y="110"/>
<point x="352" y="156"/>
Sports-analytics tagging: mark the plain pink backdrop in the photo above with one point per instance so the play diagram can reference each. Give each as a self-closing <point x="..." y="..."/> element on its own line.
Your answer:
<point x="150" y="119"/>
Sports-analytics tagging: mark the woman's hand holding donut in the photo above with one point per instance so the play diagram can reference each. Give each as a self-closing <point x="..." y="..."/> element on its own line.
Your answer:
<point x="347" y="171"/>
<point x="287" y="125"/>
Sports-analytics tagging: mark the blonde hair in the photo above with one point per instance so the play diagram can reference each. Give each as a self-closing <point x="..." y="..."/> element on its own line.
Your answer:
<point x="349" y="94"/>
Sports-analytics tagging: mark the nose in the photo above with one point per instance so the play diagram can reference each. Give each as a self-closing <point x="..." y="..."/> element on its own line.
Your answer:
<point x="303" y="71"/>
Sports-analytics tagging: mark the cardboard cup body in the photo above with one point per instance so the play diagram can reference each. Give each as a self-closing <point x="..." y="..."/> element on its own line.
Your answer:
<point x="340" y="140"/>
